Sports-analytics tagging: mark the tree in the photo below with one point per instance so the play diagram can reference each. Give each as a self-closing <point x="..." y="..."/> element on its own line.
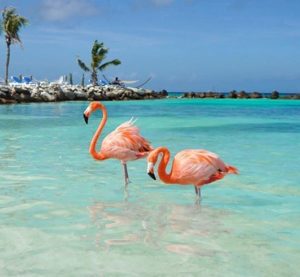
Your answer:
<point x="82" y="80"/>
<point x="98" y="53"/>
<point x="0" y="27"/>
<point x="11" y="25"/>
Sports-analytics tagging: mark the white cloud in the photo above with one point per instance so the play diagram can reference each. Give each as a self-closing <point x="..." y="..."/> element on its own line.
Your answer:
<point x="60" y="10"/>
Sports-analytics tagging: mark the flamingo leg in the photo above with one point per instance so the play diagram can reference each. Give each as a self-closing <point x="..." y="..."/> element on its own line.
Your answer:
<point x="126" y="174"/>
<point x="198" y="192"/>
<point x="126" y="193"/>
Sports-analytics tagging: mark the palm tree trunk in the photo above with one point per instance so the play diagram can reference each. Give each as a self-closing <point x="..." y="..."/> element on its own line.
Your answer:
<point x="7" y="60"/>
<point x="94" y="78"/>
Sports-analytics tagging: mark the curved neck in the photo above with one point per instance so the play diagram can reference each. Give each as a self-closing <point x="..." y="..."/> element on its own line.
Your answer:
<point x="98" y="155"/>
<point x="163" y="175"/>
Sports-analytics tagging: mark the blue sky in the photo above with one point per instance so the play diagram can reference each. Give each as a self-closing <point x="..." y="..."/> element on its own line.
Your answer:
<point x="185" y="45"/>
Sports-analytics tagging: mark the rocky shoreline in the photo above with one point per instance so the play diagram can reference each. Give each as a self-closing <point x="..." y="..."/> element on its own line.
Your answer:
<point x="240" y="95"/>
<point x="56" y="93"/>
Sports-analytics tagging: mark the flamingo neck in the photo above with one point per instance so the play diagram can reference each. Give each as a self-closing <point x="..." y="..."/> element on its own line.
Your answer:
<point x="163" y="175"/>
<point x="98" y="155"/>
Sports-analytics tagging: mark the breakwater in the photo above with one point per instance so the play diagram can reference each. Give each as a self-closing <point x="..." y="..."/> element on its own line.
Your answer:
<point x="56" y="93"/>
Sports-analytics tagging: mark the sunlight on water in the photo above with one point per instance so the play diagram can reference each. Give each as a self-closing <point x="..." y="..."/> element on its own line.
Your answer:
<point x="64" y="214"/>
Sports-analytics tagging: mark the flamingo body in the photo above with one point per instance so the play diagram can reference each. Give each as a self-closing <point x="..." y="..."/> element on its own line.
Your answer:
<point x="192" y="166"/>
<point x="124" y="143"/>
<point x="196" y="166"/>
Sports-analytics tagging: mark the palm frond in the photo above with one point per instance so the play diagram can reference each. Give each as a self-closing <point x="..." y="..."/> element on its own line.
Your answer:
<point x="83" y="65"/>
<point x="98" y="54"/>
<point x="105" y="65"/>
<point x="96" y="47"/>
<point x="12" y="23"/>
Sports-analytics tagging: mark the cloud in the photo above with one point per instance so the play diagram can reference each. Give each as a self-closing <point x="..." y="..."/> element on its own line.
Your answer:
<point x="60" y="10"/>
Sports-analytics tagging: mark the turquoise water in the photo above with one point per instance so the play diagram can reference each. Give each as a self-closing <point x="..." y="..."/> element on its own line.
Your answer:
<point x="64" y="214"/>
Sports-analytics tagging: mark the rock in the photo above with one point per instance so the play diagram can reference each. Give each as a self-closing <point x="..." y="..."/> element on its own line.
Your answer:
<point x="80" y="95"/>
<point x="163" y="92"/>
<point x="25" y="97"/>
<point x="47" y="97"/>
<point x="232" y="94"/>
<point x="242" y="94"/>
<point x="5" y="94"/>
<point x="296" y="96"/>
<point x="96" y="96"/>
<point x="21" y="90"/>
<point x="5" y="89"/>
<point x="36" y="95"/>
<point x="68" y="94"/>
<point x="275" y="95"/>
<point x="7" y="101"/>
<point x="111" y="95"/>
<point x="255" y="95"/>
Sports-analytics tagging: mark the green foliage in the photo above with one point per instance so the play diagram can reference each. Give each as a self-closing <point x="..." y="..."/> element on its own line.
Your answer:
<point x="113" y="62"/>
<point x="82" y="65"/>
<point x="98" y="54"/>
<point x="11" y="25"/>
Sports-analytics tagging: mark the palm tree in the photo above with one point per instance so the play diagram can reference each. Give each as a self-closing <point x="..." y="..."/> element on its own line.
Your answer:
<point x="98" y="55"/>
<point x="11" y="25"/>
<point x="0" y="27"/>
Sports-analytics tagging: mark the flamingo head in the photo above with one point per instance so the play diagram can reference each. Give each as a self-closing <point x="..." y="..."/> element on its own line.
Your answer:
<point x="152" y="159"/>
<point x="150" y="171"/>
<point x="90" y="109"/>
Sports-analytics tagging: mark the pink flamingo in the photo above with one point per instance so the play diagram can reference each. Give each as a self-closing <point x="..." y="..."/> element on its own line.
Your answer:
<point x="192" y="166"/>
<point x="125" y="143"/>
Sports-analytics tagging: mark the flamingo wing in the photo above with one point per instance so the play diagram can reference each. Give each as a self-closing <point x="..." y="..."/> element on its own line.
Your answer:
<point x="192" y="166"/>
<point x="125" y="142"/>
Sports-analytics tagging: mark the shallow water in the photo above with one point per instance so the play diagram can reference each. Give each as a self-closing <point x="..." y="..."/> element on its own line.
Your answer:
<point x="64" y="214"/>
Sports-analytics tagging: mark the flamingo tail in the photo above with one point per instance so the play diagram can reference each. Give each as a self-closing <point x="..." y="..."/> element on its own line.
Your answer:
<point x="232" y="169"/>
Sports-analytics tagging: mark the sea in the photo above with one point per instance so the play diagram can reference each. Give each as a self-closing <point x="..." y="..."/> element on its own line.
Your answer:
<point x="64" y="214"/>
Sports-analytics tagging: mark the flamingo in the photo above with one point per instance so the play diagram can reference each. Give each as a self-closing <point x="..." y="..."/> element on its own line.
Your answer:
<point x="191" y="166"/>
<point x="125" y="143"/>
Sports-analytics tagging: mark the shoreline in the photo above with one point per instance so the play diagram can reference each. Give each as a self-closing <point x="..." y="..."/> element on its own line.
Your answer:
<point x="38" y="93"/>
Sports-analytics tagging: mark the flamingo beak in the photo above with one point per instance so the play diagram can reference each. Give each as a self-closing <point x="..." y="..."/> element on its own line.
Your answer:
<point x="150" y="170"/>
<point x="86" y="118"/>
<point x="152" y="175"/>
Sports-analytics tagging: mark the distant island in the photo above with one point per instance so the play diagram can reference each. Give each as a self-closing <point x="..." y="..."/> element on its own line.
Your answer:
<point x="241" y="95"/>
